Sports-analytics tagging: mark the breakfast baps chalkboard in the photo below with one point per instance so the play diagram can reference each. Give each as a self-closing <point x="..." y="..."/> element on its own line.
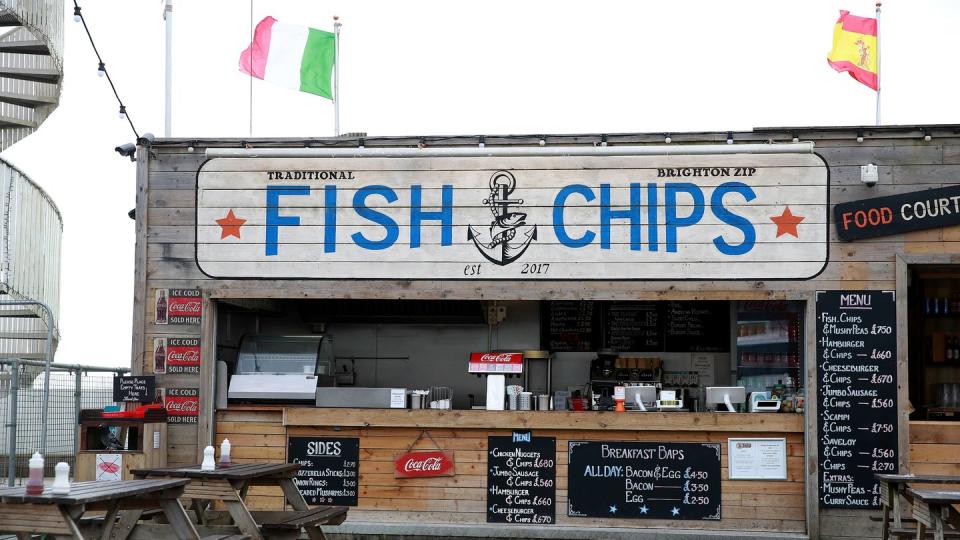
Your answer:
<point x="570" y="326"/>
<point x="329" y="468"/>
<point x="521" y="479"/>
<point x="857" y="393"/>
<point x="649" y="480"/>
<point x="701" y="326"/>
<point x="633" y="326"/>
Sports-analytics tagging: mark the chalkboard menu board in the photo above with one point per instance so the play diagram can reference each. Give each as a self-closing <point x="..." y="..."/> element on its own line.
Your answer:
<point x="329" y="468"/>
<point x="570" y="326"/>
<point x="702" y="326"/>
<point x="649" y="480"/>
<point x="857" y="377"/>
<point x="521" y="479"/>
<point x="140" y="388"/>
<point x="633" y="326"/>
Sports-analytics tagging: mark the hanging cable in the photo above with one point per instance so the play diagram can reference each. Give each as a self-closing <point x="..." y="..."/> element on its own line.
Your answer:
<point x="102" y="66"/>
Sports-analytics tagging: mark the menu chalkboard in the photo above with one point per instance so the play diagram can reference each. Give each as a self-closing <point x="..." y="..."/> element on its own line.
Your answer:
<point x="329" y="468"/>
<point x="702" y="326"/>
<point x="570" y="326"/>
<point x="521" y="479"/>
<point x="140" y="388"/>
<point x="633" y="326"/>
<point x="857" y="374"/>
<point x="649" y="480"/>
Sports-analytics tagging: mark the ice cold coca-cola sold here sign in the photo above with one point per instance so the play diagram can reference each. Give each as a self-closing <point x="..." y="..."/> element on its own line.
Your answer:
<point x="421" y="464"/>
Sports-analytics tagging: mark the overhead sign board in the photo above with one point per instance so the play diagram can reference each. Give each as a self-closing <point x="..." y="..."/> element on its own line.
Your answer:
<point x="884" y="216"/>
<point x="704" y="217"/>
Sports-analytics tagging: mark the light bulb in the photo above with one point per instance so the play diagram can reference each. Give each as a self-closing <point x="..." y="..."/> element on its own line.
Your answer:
<point x="927" y="138"/>
<point x="101" y="70"/>
<point x="729" y="141"/>
<point x="76" y="13"/>
<point x="796" y="139"/>
<point x="859" y="139"/>
<point x="667" y="139"/>
<point x="190" y="148"/>
<point x="543" y="142"/>
<point x="123" y="112"/>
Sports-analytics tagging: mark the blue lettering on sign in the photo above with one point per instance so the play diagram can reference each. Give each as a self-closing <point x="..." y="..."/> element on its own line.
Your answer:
<point x="444" y="215"/>
<point x="385" y="221"/>
<point x="274" y="219"/>
<point x="652" y="241"/>
<point x="674" y="222"/>
<point x="633" y="214"/>
<point x="558" y="227"/>
<point x="329" y="219"/>
<point x="728" y="217"/>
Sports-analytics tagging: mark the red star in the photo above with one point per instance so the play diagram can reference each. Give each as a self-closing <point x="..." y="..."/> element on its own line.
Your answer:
<point x="230" y="225"/>
<point x="787" y="223"/>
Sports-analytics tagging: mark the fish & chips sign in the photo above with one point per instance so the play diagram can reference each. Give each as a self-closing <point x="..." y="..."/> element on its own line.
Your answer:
<point x="706" y="217"/>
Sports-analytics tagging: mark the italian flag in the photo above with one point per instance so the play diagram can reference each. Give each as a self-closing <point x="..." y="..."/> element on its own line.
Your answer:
<point x="291" y="55"/>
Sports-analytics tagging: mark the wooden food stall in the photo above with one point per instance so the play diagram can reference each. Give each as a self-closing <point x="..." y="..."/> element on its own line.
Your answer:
<point x="578" y="332"/>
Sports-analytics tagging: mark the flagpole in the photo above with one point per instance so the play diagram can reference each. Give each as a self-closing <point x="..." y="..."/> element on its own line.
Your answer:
<point x="336" y="75"/>
<point x="878" y="62"/>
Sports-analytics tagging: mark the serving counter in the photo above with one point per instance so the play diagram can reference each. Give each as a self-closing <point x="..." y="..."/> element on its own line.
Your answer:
<point x="260" y="433"/>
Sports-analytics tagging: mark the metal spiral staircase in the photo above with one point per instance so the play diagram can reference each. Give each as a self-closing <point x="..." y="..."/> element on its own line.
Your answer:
<point x="31" y="65"/>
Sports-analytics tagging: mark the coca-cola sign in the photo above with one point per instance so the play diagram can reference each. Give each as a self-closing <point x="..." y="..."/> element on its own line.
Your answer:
<point x="496" y="362"/>
<point x="176" y="355"/>
<point x="423" y="463"/>
<point x="182" y="404"/>
<point x="178" y="306"/>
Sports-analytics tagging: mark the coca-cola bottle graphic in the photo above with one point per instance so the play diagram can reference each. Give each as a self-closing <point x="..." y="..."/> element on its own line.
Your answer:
<point x="159" y="357"/>
<point x="161" y="306"/>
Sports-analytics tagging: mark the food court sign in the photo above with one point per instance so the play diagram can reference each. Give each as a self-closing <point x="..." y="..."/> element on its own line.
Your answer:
<point x="705" y="217"/>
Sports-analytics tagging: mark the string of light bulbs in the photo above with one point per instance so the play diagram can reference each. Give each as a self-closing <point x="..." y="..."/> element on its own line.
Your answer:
<point x="102" y="67"/>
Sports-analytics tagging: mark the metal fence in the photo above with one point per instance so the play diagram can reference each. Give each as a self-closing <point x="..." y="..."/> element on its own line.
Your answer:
<point x="72" y="387"/>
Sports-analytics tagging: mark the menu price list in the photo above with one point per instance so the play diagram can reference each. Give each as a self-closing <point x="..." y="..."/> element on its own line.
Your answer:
<point x="633" y="327"/>
<point x="521" y="479"/>
<point x="856" y="372"/>
<point x="570" y="326"/>
<point x="329" y="468"/>
<point x="646" y="480"/>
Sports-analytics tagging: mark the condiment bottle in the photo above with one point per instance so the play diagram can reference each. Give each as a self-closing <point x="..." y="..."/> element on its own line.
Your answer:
<point x="35" y="480"/>
<point x="208" y="463"/>
<point x="61" y="482"/>
<point x="225" y="453"/>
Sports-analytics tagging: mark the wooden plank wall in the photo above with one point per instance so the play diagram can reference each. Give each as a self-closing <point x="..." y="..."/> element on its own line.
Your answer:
<point x="261" y="436"/>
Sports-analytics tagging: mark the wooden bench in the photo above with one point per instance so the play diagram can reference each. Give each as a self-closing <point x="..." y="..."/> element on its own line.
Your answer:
<point x="284" y="524"/>
<point x="226" y="537"/>
<point x="934" y="510"/>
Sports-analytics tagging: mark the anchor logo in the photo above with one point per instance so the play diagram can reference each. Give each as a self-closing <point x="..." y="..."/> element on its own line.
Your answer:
<point x="509" y="235"/>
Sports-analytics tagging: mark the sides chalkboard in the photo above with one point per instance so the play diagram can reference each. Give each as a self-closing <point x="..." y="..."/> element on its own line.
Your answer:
<point x="857" y="377"/>
<point x="701" y="326"/>
<point x="648" y="480"/>
<point x="329" y="468"/>
<point x="633" y="326"/>
<point x="142" y="388"/>
<point x="570" y="326"/>
<point x="521" y="479"/>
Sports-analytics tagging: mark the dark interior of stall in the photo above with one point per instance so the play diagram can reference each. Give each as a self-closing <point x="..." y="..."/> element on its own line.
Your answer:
<point x="934" y="342"/>
<point x="742" y="356"/>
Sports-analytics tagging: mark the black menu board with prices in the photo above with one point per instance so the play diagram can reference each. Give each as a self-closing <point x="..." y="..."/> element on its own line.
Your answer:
<point x="649" y="480"/>
<point x="570" y="326"/>
<point x="698" y="326"/>
<point x="633" y="326"/>
<point x="857" y="378"/>
<point x="521" y="479"/>
<point x="329" y="468"/>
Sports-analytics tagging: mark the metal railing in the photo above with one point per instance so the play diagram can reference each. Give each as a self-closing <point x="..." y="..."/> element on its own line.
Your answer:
<point x="22" y="389"/>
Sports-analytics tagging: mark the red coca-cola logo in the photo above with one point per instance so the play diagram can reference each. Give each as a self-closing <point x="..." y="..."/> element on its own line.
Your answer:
<point x="502" y="357"/>
<point x="182" y="407"/>
<point x="184" y="356"/>
<point x="423" y="464"/>
<point x="180" y="306"/>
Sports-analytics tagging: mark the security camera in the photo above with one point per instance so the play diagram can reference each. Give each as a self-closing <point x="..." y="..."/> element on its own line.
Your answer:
<point x="146" y="139"/>
<point x="869" y="175"/>
<point x="127" y="150"/>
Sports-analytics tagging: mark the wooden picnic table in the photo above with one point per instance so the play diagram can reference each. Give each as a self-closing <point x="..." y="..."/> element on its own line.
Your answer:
<point x="933" y="508"/>
<point x="893" y="486"/>
<point x="230" y="484"/>
<point x="60" y="514"/>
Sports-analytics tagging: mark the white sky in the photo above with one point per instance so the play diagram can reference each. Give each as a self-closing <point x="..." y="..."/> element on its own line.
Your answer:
<point x="441" y="67"/>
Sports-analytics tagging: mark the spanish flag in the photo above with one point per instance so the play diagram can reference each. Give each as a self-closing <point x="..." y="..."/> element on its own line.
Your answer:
<point x="855" y="48"/>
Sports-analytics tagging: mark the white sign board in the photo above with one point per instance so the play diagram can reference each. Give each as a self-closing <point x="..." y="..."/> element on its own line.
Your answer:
<point x="736" y="216"/>
<point x="109" y="467"/>
<point x="757" y="459"/>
